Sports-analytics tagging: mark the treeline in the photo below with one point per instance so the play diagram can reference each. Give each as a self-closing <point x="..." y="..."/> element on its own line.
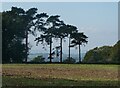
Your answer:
<point x="17" y="24"/>
<point x="105" y="54"/>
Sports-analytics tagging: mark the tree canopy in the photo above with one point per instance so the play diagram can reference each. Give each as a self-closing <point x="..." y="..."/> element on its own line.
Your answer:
<point x="16" y="24"/>
<point x="104" y="54"/>
<point x="13" y="34"/>
<point x="78" y="38"/>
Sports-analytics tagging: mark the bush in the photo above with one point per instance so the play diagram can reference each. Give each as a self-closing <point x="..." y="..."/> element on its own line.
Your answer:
<point x="104" y="54"/>
<point x="38" y="59"/>
<point x="69" y="60"/>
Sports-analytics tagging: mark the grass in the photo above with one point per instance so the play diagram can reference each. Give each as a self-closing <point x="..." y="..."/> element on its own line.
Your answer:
<point x="59" y="75"/>
<point x="19" y="81"/>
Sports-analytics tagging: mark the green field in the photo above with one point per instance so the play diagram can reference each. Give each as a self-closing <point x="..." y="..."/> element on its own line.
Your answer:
<point x="59" y="75"/>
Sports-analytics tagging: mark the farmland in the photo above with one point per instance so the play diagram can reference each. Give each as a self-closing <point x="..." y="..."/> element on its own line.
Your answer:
<point x="59" y="75"/>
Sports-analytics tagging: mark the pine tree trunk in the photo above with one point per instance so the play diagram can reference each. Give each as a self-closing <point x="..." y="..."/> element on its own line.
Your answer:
<point x="26" y="46"/>
<point x="51" y="50"/>
<point x="79" y="54"/>
<point x="69" y="49"/>
<point x="61" y="50"/>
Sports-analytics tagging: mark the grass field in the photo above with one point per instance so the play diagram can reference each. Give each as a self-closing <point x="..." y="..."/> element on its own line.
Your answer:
<point x="59" y="75"/>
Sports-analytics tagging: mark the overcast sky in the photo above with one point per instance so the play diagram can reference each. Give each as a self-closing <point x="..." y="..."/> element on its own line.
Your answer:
<point x="98" y="20"/>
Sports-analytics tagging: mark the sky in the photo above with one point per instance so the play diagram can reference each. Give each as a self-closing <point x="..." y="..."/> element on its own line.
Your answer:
<point x="98" y="21"/>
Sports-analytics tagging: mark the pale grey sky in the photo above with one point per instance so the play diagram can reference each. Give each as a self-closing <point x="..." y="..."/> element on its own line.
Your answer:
<point x="98" y="20"/>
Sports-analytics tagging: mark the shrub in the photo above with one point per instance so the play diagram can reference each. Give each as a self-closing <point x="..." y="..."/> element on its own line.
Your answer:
<point x="104" y="54"/>
<point x="38" y="59"/>
<point x="69" y="60"/>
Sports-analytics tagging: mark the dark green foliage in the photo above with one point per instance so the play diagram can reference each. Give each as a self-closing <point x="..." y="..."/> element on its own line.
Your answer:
<point x="29" y="16"/>
<point x="16" y="25"/>
<point x="38" y="59"/>
<point x="105" y="54"/>
<point x="13" y="34"/>
<point x="69" y="60"/>
<point x="49" y="28"/>
<point x="0" y="21"/>
<point x="0" y="37"/>
<point x="63" y="32"/>
<point x="115" y="53"/>
<point x="79" y="39"/>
